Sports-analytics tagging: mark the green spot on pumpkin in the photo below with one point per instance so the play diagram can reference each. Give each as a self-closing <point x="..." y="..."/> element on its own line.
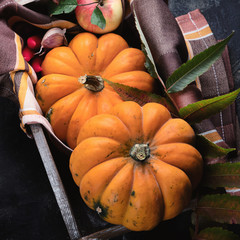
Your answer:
<point x="86" y="196"/>
<point x="39" y="98"/>
<point x="133" y="193"/>
<point x="49" y="114"/>
<point x="134" y="223"/>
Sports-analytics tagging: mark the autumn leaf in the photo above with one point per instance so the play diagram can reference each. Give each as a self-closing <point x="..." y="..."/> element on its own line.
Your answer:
<point x="198" y="111"/>
<point x="222" y="208"/>
<point x="199" y="64"/>
<point x="216" y="233"/>
<point x="222" y="175"/>
<point x="128" y="93"/>
<point x="209" y="149"/>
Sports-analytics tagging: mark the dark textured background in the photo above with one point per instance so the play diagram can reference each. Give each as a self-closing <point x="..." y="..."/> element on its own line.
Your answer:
<point x="28" y="209"/>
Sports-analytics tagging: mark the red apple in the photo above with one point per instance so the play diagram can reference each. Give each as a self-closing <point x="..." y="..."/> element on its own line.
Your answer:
<point x="112" y="11"/>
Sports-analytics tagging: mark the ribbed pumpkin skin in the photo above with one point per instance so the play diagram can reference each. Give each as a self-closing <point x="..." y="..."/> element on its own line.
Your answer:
<point x="63" y="98"/>
<point x="136" y="194"/>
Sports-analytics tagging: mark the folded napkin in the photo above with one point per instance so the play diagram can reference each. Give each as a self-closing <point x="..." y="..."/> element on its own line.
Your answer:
<point x="171" y="41"/>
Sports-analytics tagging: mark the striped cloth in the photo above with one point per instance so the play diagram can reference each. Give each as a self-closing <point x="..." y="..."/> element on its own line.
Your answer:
<point x="215" y="82"/>
<point x="18" y="77"/>
<point x="13" y="66"/>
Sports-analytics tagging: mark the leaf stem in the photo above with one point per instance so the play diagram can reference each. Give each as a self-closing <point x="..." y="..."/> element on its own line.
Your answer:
<point x="173" y="103"/>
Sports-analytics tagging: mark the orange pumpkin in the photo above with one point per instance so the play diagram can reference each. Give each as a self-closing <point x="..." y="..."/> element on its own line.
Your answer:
<point x="72" y="89"/>
<point x="136" y="166"/>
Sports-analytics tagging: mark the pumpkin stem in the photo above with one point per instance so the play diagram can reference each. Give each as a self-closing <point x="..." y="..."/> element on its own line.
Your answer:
<point x="140" y="152"/>
<point x="92" y="83"/>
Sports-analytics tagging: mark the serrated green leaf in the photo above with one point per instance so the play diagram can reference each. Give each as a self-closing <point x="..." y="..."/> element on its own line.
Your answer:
<point x="209" y="149"/>
<point x="222" y="208"/>
<point x="97" y="18"/>
<point x="64" y="6"/>
<point x="141" y="97"/>
<point x="216" y="233"/>
<point x="222" y="175"/>
<point x="195" y="67"/>
<point x="198" y="111"/>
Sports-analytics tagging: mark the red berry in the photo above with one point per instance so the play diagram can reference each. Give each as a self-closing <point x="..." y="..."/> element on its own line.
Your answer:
<point x="36" y="64"/>
<point x="34" y="42"/>
<point x="27" y="53"/>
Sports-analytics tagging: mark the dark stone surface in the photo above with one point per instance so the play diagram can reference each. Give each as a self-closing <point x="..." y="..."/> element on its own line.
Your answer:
<point x="28" y="209"/>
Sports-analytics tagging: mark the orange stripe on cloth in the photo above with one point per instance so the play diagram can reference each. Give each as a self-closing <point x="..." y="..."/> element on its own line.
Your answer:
<point x="20" y="62"/>
<point x="56" y="23"/>
<point x="212" y="136"/>
<point x="199" y="33"/>
<point x="23" y="89"/>
<point x="26" y="96"/>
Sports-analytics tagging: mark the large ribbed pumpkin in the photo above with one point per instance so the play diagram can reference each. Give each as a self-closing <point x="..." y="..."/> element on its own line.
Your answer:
<point x="72" y="88"/>
<point x="136" y="166"/>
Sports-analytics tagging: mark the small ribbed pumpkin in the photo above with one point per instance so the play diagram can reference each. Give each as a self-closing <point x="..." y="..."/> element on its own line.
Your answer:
<point x="136" y="166"/>
<point x="72" y="89"/>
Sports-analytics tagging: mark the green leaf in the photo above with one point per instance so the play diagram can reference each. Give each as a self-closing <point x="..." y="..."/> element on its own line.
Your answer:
<point x="195" y="67"/>
<point x="148" y="64"/>
<point x="222" y="175"/>
<point x="97" y="18"/>
<point x="216" y="233"/>
<point x="198" y="111"/>
<point x="222" y="208"/>
<point x="64" y="6"/>
<point x="209" y="149"/>
<point x="141" y="97"/>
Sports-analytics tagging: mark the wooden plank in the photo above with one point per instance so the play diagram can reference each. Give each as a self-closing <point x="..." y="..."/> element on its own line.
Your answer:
<point x="55" y="181"/>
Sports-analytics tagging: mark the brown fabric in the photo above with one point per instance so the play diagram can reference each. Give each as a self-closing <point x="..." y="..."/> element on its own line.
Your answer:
<point x="7" y="51"/>
<point x="163" y="35"/>
<point x="12" y="12"/>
